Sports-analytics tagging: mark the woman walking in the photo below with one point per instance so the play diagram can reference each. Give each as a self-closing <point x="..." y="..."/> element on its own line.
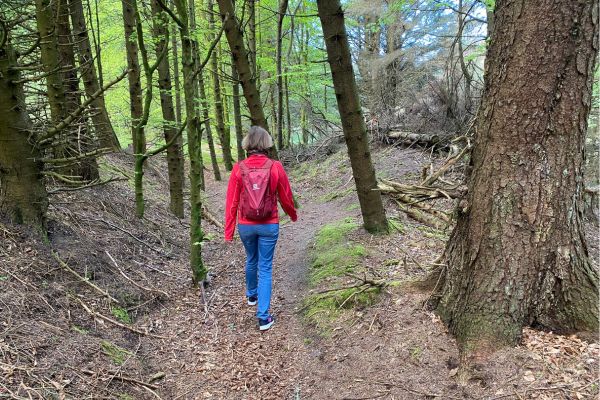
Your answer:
<point x="254" y="186"/>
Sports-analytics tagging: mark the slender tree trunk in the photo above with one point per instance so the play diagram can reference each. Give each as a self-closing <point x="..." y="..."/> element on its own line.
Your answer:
<point x="176" y="81"/>
<point x="283" y="5"/>
<point x="23" y="197"/>
<point x="135" y="86"/>
<point x="288" y="112"/>
<point x="353" y="124"/>
<point x="175" y="161"/>
<point x="209" y="136"/>
<point x="188" y="47"/>
<point x="252" y="37"/>
<point x="518" y="255"/>
<point x="237" y="113"/>
<point x="224" y="137"/>
<point x="102" y="125"/>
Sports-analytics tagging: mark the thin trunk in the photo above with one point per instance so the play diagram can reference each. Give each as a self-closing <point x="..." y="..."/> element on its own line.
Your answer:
<point x="288" y="112"/>
<point x="209" y="136"/>
<point x="102" y="124"/>
<point x="23" y="197"/>
<point x="518" y="255"/>
<point x="237" y="114"/>
<point x="252" y="36"/>
<point x="353" y="124"/>
<point x="133" y="65"/>
<point x="176" y="81"/>
<point x="283" y="5"/>
<point x="175" y="161"/>
<point x="224" y="136"/>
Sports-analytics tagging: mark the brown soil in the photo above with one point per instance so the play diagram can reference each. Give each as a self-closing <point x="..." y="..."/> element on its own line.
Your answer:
<point x="50" y="347"/>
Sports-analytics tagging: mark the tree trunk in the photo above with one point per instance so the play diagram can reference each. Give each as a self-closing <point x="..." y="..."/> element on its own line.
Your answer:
<point x="135" y="86"/>
<point x="102" y="125"/>
<point x="237" y="113"/>
<point x="224" y="136"/>
<point x="518" y="255"/>
<point x="23" y="197"/>
<point x="175" y="161"/>
<point x="252" y="37"/>
<point x="283" y="5"/>
<point x="355" y="133"/>
<point x="188" y="47"/>
<point x="209" y="136"/>
<point x="240" y="57"/>
<point x="176" y="81"/>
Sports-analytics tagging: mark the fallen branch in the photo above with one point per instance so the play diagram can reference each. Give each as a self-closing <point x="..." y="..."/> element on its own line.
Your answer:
<point x="211" y="218"/>
<point x="134" y="283"/>
<point x="123" y="378"/>
<point x="82" y="279"/>
<point x="117" y="323"/>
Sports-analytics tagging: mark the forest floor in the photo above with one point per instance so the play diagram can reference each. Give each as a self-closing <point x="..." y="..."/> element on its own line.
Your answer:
<point x="68" y="330"/>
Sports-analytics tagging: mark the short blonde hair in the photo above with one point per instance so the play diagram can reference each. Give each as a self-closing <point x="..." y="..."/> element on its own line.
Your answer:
<point x="257" y="139"/>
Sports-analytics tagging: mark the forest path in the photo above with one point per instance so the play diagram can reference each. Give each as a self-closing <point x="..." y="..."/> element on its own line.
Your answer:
<point x="227" y="357"/>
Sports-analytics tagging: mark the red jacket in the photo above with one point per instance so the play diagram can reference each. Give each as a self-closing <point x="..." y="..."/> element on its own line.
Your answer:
<point x="279" y="184"/>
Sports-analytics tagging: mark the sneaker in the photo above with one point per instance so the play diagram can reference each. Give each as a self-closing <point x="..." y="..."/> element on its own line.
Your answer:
<point x="252" y="300"/>
<point x="265" y="324"/>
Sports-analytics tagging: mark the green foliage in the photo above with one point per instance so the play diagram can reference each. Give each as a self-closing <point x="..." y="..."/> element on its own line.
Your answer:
<point x="117" y="354"/>
<point x="121" y="314"/>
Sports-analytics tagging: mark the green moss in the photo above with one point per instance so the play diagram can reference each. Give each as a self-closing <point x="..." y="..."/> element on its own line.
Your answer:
<point x="433" y="233"/>
<point x="117" y="354"/>
<point x="333" y="233"/>
<point x="352" y="207"/>
<point x="121" y="314"/>
<point x="337" y="194"/>
<point x="395" y="225"/>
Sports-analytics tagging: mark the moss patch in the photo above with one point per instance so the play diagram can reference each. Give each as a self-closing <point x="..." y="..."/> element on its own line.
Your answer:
<point x="117" y="354"/>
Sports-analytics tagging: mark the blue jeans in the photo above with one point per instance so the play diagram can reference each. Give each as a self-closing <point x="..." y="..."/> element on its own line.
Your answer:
<point x="259" y="242"/>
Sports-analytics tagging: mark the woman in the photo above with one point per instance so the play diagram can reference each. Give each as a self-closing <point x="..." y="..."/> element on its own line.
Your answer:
<point x="254" y="185"/>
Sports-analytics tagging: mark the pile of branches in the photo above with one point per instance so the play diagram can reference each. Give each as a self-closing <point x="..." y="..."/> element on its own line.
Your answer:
<point x="411" y="198"/>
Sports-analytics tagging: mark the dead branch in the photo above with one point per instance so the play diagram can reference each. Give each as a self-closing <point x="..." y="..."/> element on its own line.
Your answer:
<point x="117" y="323"/>
<point x="82" y="279"/>
<point x="211" y="218"/>
<point x="134" y="283"/>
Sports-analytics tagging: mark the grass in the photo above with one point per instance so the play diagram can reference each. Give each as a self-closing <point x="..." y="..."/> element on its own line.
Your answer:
<point x="337" y="194"/>
<point x="117" y="354"/>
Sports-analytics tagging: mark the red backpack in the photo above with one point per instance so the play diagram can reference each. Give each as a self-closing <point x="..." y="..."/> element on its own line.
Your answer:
<point x="257" y="201"/>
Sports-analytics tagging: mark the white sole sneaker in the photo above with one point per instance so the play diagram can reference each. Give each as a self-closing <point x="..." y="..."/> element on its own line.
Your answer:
<point x="251" y="303"/>
<point x="267" y="326"/>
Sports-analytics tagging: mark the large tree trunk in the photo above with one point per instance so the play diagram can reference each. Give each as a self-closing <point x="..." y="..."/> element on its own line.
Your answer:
<point x="133" y="76"/>
<point x="224" y="136"/>
<point x="517" y="255"/>
<point x="175" y="159"/>
<point x="240" y="57"/>
<point x="190" y="84"/>
<point x="102" y="125"/>
<point x="355" y="133"/>
<point x="23" y="197"/>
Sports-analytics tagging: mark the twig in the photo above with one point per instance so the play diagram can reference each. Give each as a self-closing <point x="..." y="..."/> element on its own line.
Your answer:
<point x="129" y="233"/>
<point x="81" y="278"/>
<point x="117" y="323"/>
<point x="134" y="283"/>
<point x="124" y="378"/>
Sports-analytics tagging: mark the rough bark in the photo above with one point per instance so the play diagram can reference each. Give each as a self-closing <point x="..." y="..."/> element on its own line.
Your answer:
<point x="102" y="124"/>
<point x="224" y="135"/>
<point x="133" y="76"/>
<point x="240" y="58"/>
<point x="355" y="133"/>
<point x="518" y="255"/>
<point x="23" y="197"/>
<point x="176" y="80"/>
<point x="175" y="161"/>
<point x="188" y="47"/>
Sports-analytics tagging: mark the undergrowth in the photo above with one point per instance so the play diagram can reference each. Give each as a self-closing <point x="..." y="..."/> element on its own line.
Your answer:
<point x="335" y="255"/>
